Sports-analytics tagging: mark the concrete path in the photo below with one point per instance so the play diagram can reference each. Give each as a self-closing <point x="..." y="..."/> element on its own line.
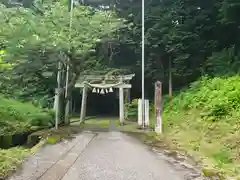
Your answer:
<point x="99" y="156"/>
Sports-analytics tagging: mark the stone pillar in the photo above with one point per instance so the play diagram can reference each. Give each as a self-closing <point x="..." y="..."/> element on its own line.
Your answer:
<point x="146" y="104"/>
<point x="126" y="100"/>
<point x="121" y="105"/>
<point x="146" y="112"/>
<point x="140" y="117"/>
<point x="84" y="104"/>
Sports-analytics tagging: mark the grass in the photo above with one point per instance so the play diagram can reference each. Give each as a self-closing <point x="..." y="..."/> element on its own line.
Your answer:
<point x="99" y="123"/>
<point x="10" y="159"/>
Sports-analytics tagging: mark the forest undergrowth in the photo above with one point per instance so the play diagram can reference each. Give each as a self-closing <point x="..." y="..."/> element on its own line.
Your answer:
<point x="17" y="118"/>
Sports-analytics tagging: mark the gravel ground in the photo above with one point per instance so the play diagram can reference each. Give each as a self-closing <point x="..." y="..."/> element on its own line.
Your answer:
<point x="100" y="156"/>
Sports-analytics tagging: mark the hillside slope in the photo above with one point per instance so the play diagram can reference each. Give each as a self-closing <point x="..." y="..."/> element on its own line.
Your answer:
<point x="205" y="120"/>
<point x="16" y="117"/>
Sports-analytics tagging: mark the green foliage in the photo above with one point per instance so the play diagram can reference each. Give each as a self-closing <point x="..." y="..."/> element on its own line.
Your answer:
<point x="51" y="30"/>
<point x="36" y="39"/>
<point x="229" y="11"/>
<point x="217" y="97"/>
<point x="3" y="65"/>
<point x="225" y="62"/>
<point x="197" y="36"/>
<point x="132" y="109"/>
<point x="223" y="157"/>
<point x="17" y="117"/>
<point x="10" y="159"/>
<point x="204" y="120"/>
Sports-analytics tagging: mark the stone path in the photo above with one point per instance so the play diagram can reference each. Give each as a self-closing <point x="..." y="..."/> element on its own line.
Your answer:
<point x="99" y="156"/>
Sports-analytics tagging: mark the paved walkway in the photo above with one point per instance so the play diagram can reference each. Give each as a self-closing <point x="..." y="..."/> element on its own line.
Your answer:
<point x="101" y="156"/>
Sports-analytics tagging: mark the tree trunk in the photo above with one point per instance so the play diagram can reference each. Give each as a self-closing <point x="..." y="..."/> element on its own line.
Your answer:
<point x="170" y="78"/>
<point x="67" y="97"/>
<point x="62" y="98"/>
<point x="74" y="107"/>
<point x="58" y="96"/>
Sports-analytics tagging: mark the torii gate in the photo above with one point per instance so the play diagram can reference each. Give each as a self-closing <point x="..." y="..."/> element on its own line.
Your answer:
<point x="104" y="84"/>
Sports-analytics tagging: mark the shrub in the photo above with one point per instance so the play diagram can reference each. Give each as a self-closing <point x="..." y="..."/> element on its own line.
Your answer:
<point x="17" y="116"/>
<point x="217" y="97"/>
<point x="132" y="109"/>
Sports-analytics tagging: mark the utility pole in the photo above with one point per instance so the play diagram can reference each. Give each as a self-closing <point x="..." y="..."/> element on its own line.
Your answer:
<point x="67" y="105"/>
<point x="143" y="54"/>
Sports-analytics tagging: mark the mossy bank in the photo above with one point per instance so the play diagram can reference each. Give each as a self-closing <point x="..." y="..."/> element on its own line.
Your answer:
<point x="17" y="121"/>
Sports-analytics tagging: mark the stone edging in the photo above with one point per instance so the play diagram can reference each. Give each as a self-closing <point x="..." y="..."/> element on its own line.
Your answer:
<point x="35" y="148"/>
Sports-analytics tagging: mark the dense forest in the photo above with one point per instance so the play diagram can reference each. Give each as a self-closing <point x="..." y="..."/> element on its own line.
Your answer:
<point x="187" y="39"/>
<point x="191" y="46"/>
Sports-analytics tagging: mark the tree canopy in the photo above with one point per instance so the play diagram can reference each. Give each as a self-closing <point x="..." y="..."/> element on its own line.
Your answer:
<point x="35" y="42"/>
<point x="188" y="38"/>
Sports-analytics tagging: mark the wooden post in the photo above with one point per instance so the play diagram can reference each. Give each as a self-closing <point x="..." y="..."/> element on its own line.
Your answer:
<point x="158" y="106"/>
<point x="121" y="105"/>
<point x="84" y="104"/>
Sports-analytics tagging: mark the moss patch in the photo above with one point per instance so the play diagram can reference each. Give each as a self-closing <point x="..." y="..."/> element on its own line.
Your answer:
<point x="53" y="136"/>
<point x="99" y="123"/>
